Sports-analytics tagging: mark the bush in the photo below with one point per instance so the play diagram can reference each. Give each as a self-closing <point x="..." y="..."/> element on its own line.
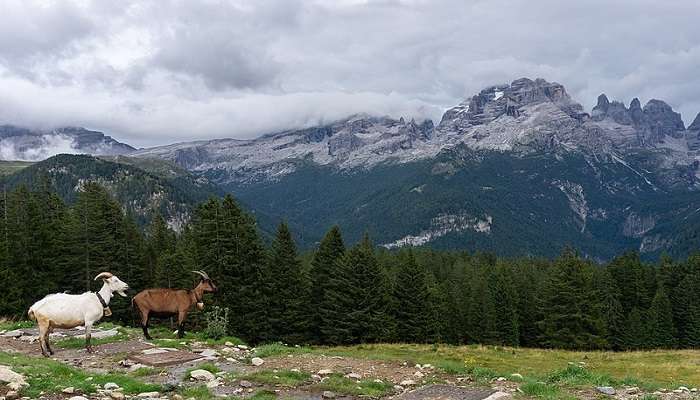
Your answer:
<point x="217" y="321"/>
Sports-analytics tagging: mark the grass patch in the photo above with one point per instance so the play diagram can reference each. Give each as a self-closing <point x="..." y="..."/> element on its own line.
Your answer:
<point x="366" y="387"/>
<point x="280" y="377"/>
<point x="7" y="325"/>
<point x="263" y="395"/>
<point x="650" y="370"/>
<point x="77" y="343"/>
<point x="196" y="392"/>
<point x="543" y="390"/>
<point x="278" y="349"/>
<point x="147" y="371"/>
<point x="45" y="375"/>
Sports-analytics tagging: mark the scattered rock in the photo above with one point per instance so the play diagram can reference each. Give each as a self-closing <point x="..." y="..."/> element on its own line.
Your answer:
<point x="68" y="390"/>
<point x="324" y="372"/>
<point x="418" y="374"/>
<point x="176" y="397"/>
<point x="101" y="334"/>
<point x="148" y="395"/>
<point x="328" y="395"/>
<point x="242" y="347"/>
<point x="12" y="395"/>
<point x="498" y="395"/>
<point x="694" y="390"/>
<point x="136" y="367"/>
<point x="245" y="384"/>
<point x="149" y="352"/>
<point x="13" y="334"/>
<point x="257" y="361"/>
<point x="29" y="338"/>
<point x="78" y="398"/>
<point x="501" y="379"/>
<point x="202" y="375"/>
<point x="632" y="390"/>
<point x="229" y="344"/>
<point x="354" y="375"/>
<point x="110" y="386"/>
<point x="210" y="353"/>
<point x="117" y="395"/>
<point x="607" y="390"/>
<point x="408" y="382"/>
<point x="9" y="376"/>
<point x="213" y="384"/>
<point x="684" y="389"/>
<point x="398" y="388"/>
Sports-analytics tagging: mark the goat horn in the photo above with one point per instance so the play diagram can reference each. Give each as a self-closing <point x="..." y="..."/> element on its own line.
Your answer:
<point x="104" y="275"/>
<point x="205" y="274"/>
<point x="202" y="274"/>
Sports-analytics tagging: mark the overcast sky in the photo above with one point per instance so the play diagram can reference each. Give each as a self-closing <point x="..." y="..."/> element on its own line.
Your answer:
<point x="155" y="72"/>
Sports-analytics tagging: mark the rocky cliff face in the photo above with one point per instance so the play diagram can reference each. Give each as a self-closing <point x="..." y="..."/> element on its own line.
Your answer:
<point x="18" y="143"/>
<point x="524" y="117"/>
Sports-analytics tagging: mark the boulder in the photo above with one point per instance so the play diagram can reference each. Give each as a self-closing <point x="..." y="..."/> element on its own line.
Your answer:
<point x="328" y="395"/>
<point x="607" y="390"/>
<point x="9" y="376"/>
<point x="13" y="334"/>
<point x="202" y="375"/>
<point x="101" y="334"/>
<point x="257" y="361"/>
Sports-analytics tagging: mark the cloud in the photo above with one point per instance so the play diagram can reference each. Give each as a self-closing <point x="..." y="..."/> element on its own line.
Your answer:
<point x="42" y="147"/>
<point x="155" y="71"/>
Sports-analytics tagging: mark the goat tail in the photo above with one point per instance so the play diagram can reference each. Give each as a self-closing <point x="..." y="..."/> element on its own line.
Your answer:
<point x="31" y="315"/>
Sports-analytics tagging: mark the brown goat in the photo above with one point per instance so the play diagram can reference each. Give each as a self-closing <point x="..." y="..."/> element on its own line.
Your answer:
<point x="171" y="302"/>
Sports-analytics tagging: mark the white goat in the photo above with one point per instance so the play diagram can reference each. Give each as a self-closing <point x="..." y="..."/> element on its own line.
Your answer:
<point x="67" y="311"/>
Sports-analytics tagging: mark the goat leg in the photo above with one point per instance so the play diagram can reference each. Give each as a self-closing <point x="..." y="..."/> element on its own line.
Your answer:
<point x="88" y="336"/>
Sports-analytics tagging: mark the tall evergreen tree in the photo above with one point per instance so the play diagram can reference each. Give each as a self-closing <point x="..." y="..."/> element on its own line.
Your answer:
<point x="289" y="290"/>
<point x="661" y="330"/>
<point x="413" y="308"/>
<point x="323" y="267"/>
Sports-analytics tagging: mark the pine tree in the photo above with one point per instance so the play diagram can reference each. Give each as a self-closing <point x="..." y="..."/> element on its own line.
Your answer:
<point x="570" y="320"/>
<point x="636" y="330"/>
<point x="505" y="299"/>
<point x="323" y="266"/>
<point x="289" y="290"/>
<point x="611" y="310"/>
<point x="413" y="308"/>
<point x="661" y="330"/>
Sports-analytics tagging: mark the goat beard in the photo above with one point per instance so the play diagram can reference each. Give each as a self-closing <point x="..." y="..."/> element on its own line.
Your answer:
<point x="200" y="306"/>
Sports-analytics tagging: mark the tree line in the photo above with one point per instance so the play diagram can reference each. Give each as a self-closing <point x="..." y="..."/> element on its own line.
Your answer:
<point x="342" y="293"/>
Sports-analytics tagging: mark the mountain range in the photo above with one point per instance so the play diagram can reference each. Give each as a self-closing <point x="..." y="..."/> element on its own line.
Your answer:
<point x="518" y="168"/>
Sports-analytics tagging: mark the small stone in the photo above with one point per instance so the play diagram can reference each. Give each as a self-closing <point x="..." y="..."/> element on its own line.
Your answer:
<point x="13" y="334"/>
<point x="500" y="379"/>
<point x="694" y="390"/>
<point x="69" y="390"/>
<point x="398" y="388"/>
<point x="202" y="375"/>
<point x="257" y="361"/>
<point x="176" y="397"/>
<point x="677" y="391"/>
<point x="148" y="395"/>
<point x="110" y="386"/>
<point x="137" y="367"/>
<point x="229" y="344"/>
<point x="78" y="398"/>
<point x="607" y="390"/>
<point x="210" y="353"/>
<point x="213" y="384"/>
<point x="149" y="352"/>
<point x="242" y="347"/>
<point x="12" y="395"/>
<point x="15" y="385"/>
<point x="328" y="395"/>
<point x="683" y="389"/>
<point x="354" y="375"/>
<point x="9" y="376"/>
<point x="632" y="390"/>
<point x="117" y="395"/>
<point x="245" y="384"/>
<point x="428" y="366"/>
<point x="418" y="374"/>
<point x="407" y="382"/>
<point x="324" y="372"/>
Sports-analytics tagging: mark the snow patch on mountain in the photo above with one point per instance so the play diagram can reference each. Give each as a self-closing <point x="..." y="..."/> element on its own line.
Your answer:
<point x="577" y="200"/>
<point x="442" y="225"/>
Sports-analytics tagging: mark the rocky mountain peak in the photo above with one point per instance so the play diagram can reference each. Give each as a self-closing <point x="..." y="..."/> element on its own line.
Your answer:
<point x="602" y="105"/>
<point x="695" y="125"/>
<point x="662" y="119"/>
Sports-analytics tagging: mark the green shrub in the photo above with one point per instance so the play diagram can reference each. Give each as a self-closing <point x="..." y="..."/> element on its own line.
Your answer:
<point x="217" y="321"/>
